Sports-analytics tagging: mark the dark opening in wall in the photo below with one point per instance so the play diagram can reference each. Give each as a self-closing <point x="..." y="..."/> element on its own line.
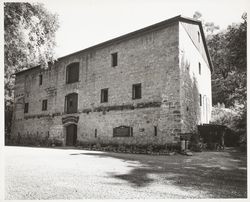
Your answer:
<point x="44" y="105"/>
<point x="136" y="91"/>
<point x="26" y="107"/>
<point x="40" y="79"/>
<point x="95" y="133"/>
<point x="104" y="95"/>
<point x="200" y="100"/>
<point x="155" y="130"/>
<point x="72" y="72"/>
<point x="114" y="59"/>
<point x="71" y="103"/>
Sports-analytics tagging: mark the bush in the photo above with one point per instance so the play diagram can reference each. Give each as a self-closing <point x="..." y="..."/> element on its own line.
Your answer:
<point x="235" y="119"/>
<point x="134" y="148"/>
<point x="33" y="140"/>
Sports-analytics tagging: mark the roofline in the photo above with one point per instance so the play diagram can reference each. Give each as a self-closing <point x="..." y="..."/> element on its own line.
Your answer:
<point x="185" y="19"/>
<point x="150" y="28"/>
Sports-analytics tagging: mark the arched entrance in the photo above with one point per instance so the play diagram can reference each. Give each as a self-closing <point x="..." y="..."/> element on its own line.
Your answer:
<point x="71" y="134"/>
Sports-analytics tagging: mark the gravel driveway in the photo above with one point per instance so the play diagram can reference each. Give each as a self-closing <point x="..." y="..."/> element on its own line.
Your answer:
<point x="46" y="173"/>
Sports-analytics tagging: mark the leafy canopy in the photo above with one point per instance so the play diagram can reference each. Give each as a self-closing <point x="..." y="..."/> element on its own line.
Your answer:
<point x="228" y="53"/>
<point x="29" y="39"/>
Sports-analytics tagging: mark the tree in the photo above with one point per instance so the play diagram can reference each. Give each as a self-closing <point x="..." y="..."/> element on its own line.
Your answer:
<point x="209" y="27"/>
<point x="29" y="40"/>
<point x="228" y="53"/>
<point x="227" y="49"/>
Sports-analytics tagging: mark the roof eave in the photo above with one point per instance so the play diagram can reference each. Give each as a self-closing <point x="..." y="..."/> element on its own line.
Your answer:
<point x="135" y="33"/>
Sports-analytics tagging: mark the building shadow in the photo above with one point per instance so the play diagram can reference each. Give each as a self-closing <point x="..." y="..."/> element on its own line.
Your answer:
<point x="218" y="174"/>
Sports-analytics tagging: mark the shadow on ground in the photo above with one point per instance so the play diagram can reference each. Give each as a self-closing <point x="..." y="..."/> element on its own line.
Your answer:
<point x="220" y="174"/>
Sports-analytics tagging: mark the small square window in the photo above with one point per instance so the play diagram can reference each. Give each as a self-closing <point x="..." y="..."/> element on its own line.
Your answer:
<point x="104" y="95"/>
<point x="136" y="91"/>
<point x="44" y="105"/>
<point x="200" y="68"/>
<point x="26" y="107"/>
<point x="40" y="79"/>
<point x="114" y="59"/>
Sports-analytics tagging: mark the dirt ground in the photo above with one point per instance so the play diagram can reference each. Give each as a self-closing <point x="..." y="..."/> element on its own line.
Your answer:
<point x="46" y="173"/>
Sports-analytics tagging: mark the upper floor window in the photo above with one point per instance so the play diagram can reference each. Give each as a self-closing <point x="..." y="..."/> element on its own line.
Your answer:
<point x="26" y="107"/>
<point x="114" y="59"/>
<point x="40" y="79"/>
<point x="136" y="91"/>
<point x="199" y="37"/>
<point x="104" y="95"/>
<point x="72" y="72"/>
<point x="199" y="68"/>
<point x="44" y="105"/>
<point x="71" y="103"/>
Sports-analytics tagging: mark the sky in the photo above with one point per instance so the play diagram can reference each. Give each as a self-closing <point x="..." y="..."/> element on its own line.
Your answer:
<point x="84" y="23"/>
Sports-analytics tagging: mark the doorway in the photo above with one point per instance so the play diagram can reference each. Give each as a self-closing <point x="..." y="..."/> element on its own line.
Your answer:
<point x="71" y="134"/>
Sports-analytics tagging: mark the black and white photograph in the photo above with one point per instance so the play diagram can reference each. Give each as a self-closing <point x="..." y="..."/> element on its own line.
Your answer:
<point x="124" y="99"/>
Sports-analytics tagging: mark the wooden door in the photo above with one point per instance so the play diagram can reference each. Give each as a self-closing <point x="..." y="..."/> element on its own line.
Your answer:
<point x="71" y="135"/>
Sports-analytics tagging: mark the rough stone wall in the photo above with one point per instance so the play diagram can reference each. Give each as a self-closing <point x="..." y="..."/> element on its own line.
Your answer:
<point x="150" y="59"/>
<point x="192" y="84"/>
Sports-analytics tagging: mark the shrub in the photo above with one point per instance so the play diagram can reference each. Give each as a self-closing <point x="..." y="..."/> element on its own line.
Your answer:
<point x="235" y="119"/>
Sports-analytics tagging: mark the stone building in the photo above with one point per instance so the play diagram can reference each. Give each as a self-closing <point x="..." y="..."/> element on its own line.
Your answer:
<point x="148" y="86"/>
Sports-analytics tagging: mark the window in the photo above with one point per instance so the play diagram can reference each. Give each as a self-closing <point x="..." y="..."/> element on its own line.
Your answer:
<point x="136" y="91"/>
<point x="26" y="107"/>
<point x="104" y="95"/>
<point x="71" y="103"/>
<point x="199" y="68"/>
<point x="72" y="73"/>
<point x="199" y="37"/>
<point x="200" y="100"/>
<point x="44" y="105"/>
<point x="95" y="133"/>
<point x="155" y="130"/>
<point x="40" y="79"/>
<point x="114" y="59"/>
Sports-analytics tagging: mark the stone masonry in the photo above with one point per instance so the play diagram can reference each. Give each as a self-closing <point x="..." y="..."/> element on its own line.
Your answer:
<point x="169" y="59"/>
